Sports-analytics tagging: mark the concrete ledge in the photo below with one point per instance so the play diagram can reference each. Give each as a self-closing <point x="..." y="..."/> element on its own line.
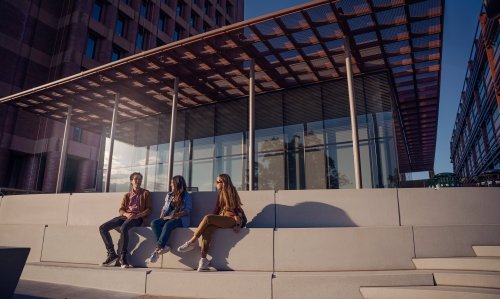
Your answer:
<point x="459" y="263"/>
<point x="480" y="279"/>
<point x="241" y="285"/>
<point x="486" y="250"/>
<point x="12" y="261"/>
<point x="449" y="206"/>
<point x="93" y="209"/>
<point x="343" y="249"/>
<point x="112" y="278"/>
<point x="34" y="209"/>
<point x="447" y="241"/>
<point x="341" y="285"/>
<point x="249" y="250"/>
<point x="83" y="244"/>
<point x="337" y="208"/>
<point x="28" y="235"/>
<point x="436" y="292"/>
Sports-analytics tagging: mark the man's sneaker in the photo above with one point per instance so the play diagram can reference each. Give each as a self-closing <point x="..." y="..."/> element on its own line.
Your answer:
<point x="110" y="260"/>
<point x="124" y="263"/>
<point x="203" y="264"/>
<point x="186" y="247"/>
<point x="154" y="257"/>
<point x="164" y="249"/>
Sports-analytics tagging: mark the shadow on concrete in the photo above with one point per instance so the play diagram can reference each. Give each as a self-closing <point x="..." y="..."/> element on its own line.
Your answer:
<point x="304" y="214"/>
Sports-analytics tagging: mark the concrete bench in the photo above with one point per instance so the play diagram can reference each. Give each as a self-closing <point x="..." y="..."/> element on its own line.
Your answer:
<point x="249" y="250"/>
<point x="97" y="208"/>
<point x="230" y="251"/>
<point x="449" y="206"/>
<point x="453" y="240"/>
<point x="343" y="249"/>
<point x="337" y="208"/>
<point x="34" y="209"/>
<point x="24" y="235"/>
<point x="244" y="285"/>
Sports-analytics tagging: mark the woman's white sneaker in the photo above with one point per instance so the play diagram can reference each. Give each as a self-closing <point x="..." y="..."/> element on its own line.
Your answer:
<point x="203" y="264"/>
<point x="186" y="247"/>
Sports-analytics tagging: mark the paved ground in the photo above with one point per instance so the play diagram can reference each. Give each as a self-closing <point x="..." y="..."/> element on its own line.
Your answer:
<point x="27" y="289"/>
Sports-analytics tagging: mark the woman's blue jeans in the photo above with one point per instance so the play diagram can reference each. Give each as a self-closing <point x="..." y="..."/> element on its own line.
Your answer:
<point x="163" y="228"/>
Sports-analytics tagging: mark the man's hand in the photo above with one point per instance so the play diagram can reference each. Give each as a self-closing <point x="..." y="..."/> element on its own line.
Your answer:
<point x="130" y="215"/>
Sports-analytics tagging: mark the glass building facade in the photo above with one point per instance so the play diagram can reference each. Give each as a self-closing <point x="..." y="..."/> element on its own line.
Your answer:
<point x="302" y="141"/>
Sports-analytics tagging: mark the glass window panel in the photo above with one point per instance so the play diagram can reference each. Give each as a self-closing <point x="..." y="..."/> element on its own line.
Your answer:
<point x="341" y="166"/>
<point x="120" y="179"/>
<point x="203" y="148"/>
<point x="149" y="179"/>
<point x="365" y="160"/>
<point x="160" y="182"/>
<point x="314" y="134"/>
<point x="234" y="166"/>
<point x="228" y="145"/>
<point x="181" y="150"/>
<point x="269" y="139"/>
<point x="338" y="130"/>
<point x="202" y="175"/>
<point x="315" y="168"/>
<point x="271" y="171"/>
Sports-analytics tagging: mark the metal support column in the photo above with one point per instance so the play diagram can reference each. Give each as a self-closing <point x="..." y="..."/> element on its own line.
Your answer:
<point x="173" y="127"/>
<point x="354" y="120"/>
<point x="251" y="124"/>
<point x="64" y="149"/>
<point x="112" y="140"/>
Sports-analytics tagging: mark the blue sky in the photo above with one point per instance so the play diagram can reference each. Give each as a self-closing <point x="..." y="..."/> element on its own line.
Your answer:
<point x="460" y="21"/>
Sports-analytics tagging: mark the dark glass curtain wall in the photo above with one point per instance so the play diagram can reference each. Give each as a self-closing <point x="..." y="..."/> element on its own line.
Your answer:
<point x="302" y="139"/>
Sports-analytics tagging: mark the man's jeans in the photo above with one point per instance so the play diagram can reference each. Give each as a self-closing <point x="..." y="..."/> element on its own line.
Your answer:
<point x="163" y="228"/>
<point x="125" y="225"/>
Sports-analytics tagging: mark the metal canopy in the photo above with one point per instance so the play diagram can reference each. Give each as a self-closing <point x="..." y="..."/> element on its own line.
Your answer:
<point x="293" y="47"/>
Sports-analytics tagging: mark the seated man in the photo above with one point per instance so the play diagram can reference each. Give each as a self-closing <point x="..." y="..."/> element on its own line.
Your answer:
<point x="136" y="205"/>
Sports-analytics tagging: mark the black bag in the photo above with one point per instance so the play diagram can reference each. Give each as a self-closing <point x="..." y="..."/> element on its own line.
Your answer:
<point x="243" y="218"/>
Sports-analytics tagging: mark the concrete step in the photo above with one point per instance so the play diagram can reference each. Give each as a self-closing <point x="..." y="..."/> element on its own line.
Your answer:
<point x="210" y="284"/>
<point x="479" y="279"/>
<point x="429" y="292"/>
<point x="459" y="263"/>
<point x="131" y="280"/>
<point x="487" y="250"/>
<point x="344" y="284"/>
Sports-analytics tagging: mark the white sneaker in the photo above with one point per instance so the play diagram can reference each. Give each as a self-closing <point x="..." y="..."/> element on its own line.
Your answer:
<point x="186" y="247"/>
<point x="164" y="249"/>
<point x="154" y="257"/>
<point x="203" y="264"/>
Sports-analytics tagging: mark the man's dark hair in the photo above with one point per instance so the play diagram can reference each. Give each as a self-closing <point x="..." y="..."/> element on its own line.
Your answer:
<point x="134" y="174"/>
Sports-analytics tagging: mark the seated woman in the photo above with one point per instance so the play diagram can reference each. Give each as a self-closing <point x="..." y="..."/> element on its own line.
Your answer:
<point x="225" y="215"/>
<point x="175" y="213"/>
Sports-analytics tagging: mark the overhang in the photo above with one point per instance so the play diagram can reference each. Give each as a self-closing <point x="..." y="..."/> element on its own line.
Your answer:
<point x="292" y="47"/>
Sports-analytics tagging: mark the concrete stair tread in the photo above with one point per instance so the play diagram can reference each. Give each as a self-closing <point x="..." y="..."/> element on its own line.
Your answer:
<point x="459" y="263"/>
<point x="491" y="251"/>
<point x="480" y="279"/>
<point x="429" y="292"/>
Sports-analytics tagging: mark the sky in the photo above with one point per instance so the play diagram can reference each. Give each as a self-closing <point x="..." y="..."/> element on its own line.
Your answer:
<point x="460" y="22"/>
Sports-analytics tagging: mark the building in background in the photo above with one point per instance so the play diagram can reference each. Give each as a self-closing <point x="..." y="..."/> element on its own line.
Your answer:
<point x="475" y="143"/>
<point x="295" y="60"/>
<point x="43" y="41"/>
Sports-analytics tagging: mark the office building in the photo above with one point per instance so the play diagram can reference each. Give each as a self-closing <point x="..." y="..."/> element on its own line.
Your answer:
<point x="277" y="92"/>
<point x="43" y="41"/>
<point x="475" y="143"/>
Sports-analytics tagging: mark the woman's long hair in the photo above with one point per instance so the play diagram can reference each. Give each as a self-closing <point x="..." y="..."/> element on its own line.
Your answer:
<point x="228" y="196"/>
<point x="179" y="188"/>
